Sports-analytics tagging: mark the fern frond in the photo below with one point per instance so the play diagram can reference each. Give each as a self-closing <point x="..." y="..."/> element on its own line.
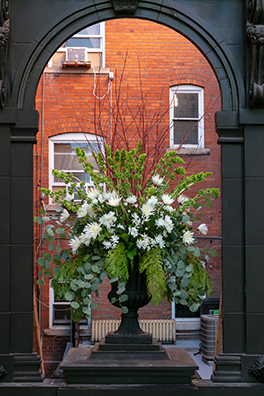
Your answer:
<point x="151" y="263"/>
<point x="116" y="263"/>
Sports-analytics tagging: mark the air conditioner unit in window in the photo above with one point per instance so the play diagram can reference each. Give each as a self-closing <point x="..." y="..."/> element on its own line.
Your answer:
<point x="75" y="54"/>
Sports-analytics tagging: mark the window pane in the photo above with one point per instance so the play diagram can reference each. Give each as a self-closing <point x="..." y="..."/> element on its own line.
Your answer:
<point x="91" y="31"/>
<point x="61" y="313"/>
<point x="185" y="105"/>
<point x="182" y="129"/>
<point x="70" y="147"/>
<point x="83" y="42"/>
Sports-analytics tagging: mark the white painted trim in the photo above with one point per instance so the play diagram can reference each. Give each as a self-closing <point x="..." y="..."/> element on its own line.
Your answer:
<point x="188" y="89"/>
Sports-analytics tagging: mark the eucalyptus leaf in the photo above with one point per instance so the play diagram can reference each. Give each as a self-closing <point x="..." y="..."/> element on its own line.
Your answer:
<point x="41" y="261"/>
<point x="69" y="296"/>
<point x="182" y="301"/>
<point x="123" y="298"/>
<point x="75" y="305"/>
<point x="125" y="310"/>
<point x="94" y="305"/>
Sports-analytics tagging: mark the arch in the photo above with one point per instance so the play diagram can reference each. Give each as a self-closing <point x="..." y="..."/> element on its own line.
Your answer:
<point x="177" y="17"/>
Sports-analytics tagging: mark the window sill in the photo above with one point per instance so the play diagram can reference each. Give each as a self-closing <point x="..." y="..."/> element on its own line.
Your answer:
<point x="190" y="151"/>
<point x="78" y="70"/>
<point x="64" y="331"/>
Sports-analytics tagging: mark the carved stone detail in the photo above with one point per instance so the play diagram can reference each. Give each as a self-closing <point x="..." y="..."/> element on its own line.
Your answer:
<point x="125" y="6"/>
<point x="255" y="32"/>
<point x="257" y="369"/>
<point x="4" y="37"/>
<point x="3" y="371"/>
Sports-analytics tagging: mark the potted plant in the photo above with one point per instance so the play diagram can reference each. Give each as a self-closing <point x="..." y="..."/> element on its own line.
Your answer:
<point x="131" y="228"/>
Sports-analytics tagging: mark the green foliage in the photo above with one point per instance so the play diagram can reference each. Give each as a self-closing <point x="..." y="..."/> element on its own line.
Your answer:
<point x="116" y="263"/>
<point x="151" y="263"/>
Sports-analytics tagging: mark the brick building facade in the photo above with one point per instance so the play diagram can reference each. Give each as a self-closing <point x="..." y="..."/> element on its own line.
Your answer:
<point x="156" y="59"/>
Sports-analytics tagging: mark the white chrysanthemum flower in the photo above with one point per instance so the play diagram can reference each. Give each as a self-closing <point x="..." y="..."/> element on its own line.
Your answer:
<point x="93" y="193"/>
<point x="182" y="198"/>
<point x="83" y="210"/>
<point x="107" y="244"/>
<point x="114" y="199"/>
<point x="132" y="199"/>
<point x="168" y="208"/>
<point x="188" y="238"/>
<point x="135" y="219"/>
<point x="157" y="180"/>
<point x="153" y="200"/>
<point x="64" y="215"/>
<point x="144" y="243"/>
<point x="69" y="197"/>
<point x="108" y="219"/>
<point x="133" y="231"/>
<point x="160" y="222"/>
<point x="203" y="229"/>
<point x="167" y="199"/>
<point x="92" y="230"/>
<point x="75" y="243"/>
<point x="120" y="226"/>
<point x="168" y="224"/>
<point x="147" y="209"/>
<point x="160" y="241"/>
<point x="101" y="198"/>
<point x="84" y="239"/>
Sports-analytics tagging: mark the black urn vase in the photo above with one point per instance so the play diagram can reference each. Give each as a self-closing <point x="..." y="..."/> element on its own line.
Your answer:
<point x="129" y="331"/>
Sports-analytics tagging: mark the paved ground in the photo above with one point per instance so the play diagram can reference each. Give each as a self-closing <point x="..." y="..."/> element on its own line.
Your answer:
<point x="192" y="347"/>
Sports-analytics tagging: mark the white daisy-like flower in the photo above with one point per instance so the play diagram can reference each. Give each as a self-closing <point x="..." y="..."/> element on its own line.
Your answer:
<point x="157" y="180"/>
<point x="108" y="219"/>
<point x="135" y="219"/>
<point x="75" y="243"/>
<point x="92" y="230"/>
<point x="133" y="231"/>
<point x="69" y="197"/>
<point x="101" y="198"/>
<point x="145" y="243"/>
<point x="84" y="239"/>
<point x="188" y="238"/>
<point x="93" y="193"/>
<point x="147" y="209"/>
<point x="120" y="226"/>
<point x="83" y="210"/>
<point x="168" y="208"/>
<point x="182" y="198"/>
<point x="114" y="199"/>
<point x="167" y="199"/>
<point x="132" y="199"/>
<point x="153" y="200"/>
<point x="168" y="223"/>
<point x="160" y="222"/>
<point x="203" y="229"/>
<point x="160" y="241"/>
<point x="107" y="244"/>
<point x="64" y="215"/>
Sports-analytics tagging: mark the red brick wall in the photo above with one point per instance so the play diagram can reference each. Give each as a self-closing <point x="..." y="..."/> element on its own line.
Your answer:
<point x="162" y="58"/>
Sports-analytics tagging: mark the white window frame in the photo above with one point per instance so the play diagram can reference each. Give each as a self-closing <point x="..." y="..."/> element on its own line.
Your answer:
<point x="52" y="305"/>
<point x="101" y="49"/>
<point x="200" y="119"/>
<point x="66" y="138"/>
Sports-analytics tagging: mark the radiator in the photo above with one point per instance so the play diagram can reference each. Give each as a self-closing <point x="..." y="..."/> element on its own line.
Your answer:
<point x="163" y="330"/>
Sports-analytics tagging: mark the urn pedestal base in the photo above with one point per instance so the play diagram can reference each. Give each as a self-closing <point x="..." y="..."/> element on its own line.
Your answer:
<point x="122" y="366"/>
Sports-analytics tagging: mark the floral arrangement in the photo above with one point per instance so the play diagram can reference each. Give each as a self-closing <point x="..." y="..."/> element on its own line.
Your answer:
<point x="130" y="217"/>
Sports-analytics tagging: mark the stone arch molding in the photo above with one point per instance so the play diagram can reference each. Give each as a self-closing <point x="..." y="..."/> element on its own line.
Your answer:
<point x="175" y="16"/>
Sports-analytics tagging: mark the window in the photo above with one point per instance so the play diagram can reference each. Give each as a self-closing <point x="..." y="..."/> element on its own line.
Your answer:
<point x="60" y="312"/>
<point x="186" y="116"/>
<point x="62" y="157"/>
<point x="88" y="44"/>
